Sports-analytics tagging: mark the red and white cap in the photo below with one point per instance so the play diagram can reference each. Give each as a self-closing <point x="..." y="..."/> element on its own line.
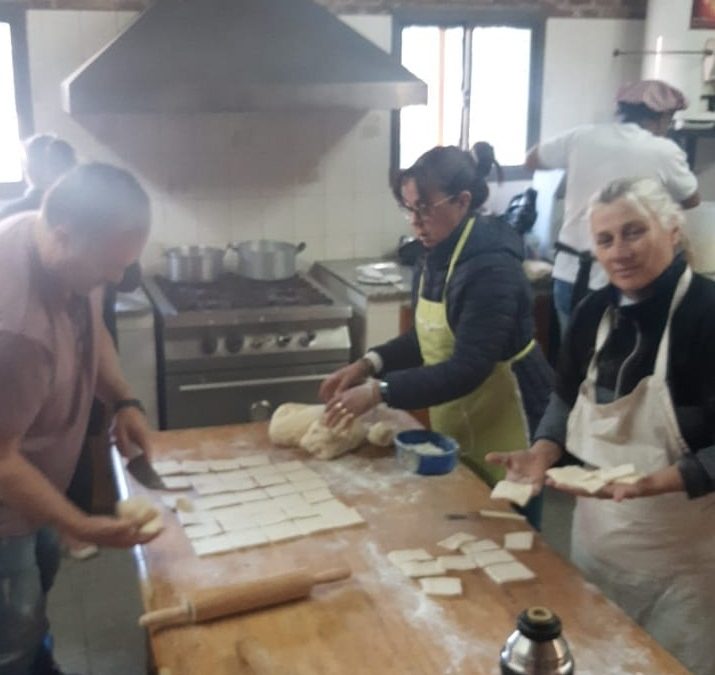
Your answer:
<point x="656" y="94"/>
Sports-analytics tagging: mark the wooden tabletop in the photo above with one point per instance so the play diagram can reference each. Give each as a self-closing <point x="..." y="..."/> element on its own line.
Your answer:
<point x="378" y="621"/>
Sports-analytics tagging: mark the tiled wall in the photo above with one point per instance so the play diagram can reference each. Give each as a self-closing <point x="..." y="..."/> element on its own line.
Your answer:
<point x="314" y="177"/>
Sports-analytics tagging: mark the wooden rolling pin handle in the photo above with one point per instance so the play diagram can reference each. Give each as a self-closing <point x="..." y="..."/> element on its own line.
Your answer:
<point x="171" y="616"/>
<point x="335" y="574"/>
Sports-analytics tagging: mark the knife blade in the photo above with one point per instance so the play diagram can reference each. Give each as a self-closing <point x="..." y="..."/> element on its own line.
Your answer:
<point x="141" y="470"/>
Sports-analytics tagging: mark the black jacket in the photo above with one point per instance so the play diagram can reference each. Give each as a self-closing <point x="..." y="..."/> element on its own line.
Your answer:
<point x="631" y="350"/>
<point x="489" y="309"/>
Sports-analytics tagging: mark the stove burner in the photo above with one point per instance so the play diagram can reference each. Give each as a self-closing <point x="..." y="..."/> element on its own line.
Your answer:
<point x="234" y="292"/>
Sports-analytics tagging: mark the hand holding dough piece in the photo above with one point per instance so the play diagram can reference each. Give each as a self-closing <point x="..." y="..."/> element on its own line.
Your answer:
<point x="143" y="512"/>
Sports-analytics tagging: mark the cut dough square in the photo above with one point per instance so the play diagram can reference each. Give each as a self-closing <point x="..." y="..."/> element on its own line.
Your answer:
<point x="236" y="474"/>
<point x="330" y="506"/>
<point x="506" y="515"/>
<point x="287" y="467"/>
<point x="236" y="484"/>
<point x="518" y="493"/>
<point x="253" y="460"/>
<point x="281" y="490"/>
<point x="317" y="496"/>
<point x="302" y="475"/>
<point x="194" y="517"/>
<point x="503" y="573"/>
<point x="629" y="480"/>
<point x="448" y="586"/>
<point x="613" y="473"/>
<point x="592" y="484"/>
<point x="519" y="541"/>
<point x="282" y="531"/>
<point x="268" y="481"/>
<point x="472" y="547"/>
<point x="456" y="562"/>
<point x="237" y="522"/>
<point x="455" y="541"/>
<point x="202" y="530"/>
<point x="213" y="545"/>
<point x="253" y="496"/>
<point x="217" y="501"/>
<point x="265" y="470"/>
<point x="269" y="518"/>
<point x="408" y="555"/>
<point x="176" y="482"/>
<point x="248" y="538"/>
<point x="205" y="489"/>
<point x="290" y="501"/>
<point x="345" y="518"/>
<point x="194" y="466"/>
<point x="567" y="474"/>
<point x="167" y="467"/>
<point x="312" y="525"/>
<point x="419" y="568"/>
<point x="485" y="558"/>
<point x="304" y="510"/>
<point x="310" y="484"/>
<point x="220" y="465"/>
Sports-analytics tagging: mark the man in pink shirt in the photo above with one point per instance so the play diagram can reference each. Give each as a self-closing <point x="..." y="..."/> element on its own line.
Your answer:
<point x="55" y="355"/>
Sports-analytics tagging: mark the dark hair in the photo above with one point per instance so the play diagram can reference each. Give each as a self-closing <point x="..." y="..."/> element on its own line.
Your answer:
<point x="96" y="199"/>
<point x="450" y="170"/>
<point x="47" y="158"/>
<point x="637" y="113"/>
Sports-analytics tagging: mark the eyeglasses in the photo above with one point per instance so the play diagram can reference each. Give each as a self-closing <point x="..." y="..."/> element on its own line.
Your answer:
<point x="422" y="211"/>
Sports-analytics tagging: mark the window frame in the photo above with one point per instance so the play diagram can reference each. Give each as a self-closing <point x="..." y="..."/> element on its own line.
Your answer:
<point x="535" y="20"/>
<point x="16" y="16"/>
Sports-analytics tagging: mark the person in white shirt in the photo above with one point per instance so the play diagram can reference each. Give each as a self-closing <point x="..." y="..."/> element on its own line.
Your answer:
<point x="593" y="156"/>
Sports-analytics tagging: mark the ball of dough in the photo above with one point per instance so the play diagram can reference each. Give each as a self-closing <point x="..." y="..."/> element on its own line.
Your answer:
<point x="290" y="422"/>
<point x="144" y="511"/>
<point x="381" y="433"/>
<point x="328" y="443"/>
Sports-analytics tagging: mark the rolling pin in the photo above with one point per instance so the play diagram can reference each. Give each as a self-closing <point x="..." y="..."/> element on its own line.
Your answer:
<point x="213" y="603"/>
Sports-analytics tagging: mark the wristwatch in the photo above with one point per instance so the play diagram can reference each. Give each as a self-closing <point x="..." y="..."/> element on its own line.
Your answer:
<point x="384" y="389"/>
<point x="129" y="403"/>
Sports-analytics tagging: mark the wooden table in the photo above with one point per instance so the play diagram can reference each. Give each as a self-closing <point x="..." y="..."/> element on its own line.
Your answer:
<point x="377" y="622"/>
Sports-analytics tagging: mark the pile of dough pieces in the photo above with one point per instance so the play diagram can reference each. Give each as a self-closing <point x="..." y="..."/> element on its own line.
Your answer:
<point x="467" y="552"/>
<point x="300" y="425"/>
<point x="142" y="510"/>
<point x="590" y="480"/>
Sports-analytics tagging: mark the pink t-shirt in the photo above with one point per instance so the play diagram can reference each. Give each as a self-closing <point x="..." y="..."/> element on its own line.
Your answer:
<point x="48" y="363"/>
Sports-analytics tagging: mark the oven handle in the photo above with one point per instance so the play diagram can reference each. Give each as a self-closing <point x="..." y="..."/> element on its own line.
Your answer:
<point x="235" y="384"/>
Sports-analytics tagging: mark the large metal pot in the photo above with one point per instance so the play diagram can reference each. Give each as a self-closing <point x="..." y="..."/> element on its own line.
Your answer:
<point x="267" y="260"/>
<point x="194" y="263"/>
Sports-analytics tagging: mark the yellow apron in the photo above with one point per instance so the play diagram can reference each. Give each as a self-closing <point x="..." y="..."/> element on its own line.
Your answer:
<point x="490" y="418"/>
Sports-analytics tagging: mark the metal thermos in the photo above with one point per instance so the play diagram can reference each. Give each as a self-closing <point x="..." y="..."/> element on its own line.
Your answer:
<point x="536" y="647"/>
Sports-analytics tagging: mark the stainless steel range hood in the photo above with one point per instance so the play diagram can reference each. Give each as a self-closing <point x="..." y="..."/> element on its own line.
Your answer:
<point x="198" y="56"/>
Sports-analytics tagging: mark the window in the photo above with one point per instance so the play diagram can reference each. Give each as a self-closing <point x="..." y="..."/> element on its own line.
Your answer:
<point x="15" y="115"/>
<point x="483" y="72"/>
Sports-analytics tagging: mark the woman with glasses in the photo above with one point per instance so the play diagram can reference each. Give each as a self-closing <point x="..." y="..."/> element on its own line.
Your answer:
<point x="471" y="357"/>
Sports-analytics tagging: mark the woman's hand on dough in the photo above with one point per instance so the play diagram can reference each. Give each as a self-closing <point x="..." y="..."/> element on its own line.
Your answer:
<point x="345" y="407"/>
<point x="343" y="379"/>
<point x="114" y="532"/>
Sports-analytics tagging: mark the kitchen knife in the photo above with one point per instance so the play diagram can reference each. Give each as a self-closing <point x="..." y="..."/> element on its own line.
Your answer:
<point x="142" y="471"/>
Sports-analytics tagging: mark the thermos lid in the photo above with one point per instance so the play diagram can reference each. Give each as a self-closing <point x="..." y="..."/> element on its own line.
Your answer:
<point x="539" y="624"/>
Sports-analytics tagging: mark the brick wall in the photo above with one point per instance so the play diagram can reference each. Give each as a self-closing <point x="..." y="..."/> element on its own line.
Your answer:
<point x="624" y="9"/>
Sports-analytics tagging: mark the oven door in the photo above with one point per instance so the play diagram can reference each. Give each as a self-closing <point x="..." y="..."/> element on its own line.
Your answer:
<point x="237" y="396"/>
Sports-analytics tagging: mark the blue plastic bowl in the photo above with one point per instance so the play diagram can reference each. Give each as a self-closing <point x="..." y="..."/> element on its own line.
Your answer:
<point x="427" y="465"/>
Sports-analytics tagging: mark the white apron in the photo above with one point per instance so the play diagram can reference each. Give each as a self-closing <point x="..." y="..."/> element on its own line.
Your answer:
<point x="653" y="556"/>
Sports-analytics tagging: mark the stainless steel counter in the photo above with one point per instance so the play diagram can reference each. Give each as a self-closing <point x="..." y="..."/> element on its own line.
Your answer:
<point x="345" y="272"/>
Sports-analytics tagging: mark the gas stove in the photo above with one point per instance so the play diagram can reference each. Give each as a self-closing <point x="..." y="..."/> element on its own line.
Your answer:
<point x="232" y="350"/>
